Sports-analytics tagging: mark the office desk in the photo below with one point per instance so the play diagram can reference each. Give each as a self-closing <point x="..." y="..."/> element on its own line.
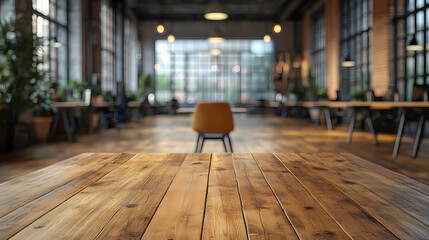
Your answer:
<point x="192" y="110"/>
<point x="64" y="109"/>
<point x="214" y="196"/>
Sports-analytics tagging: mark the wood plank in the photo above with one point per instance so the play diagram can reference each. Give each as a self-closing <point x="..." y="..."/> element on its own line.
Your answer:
<point x="397" y="193"/>
<point x="181" y="212"/>
<point x="223" y="218"/>
<point x="132" y="219"/>
<point x="264" y="216"/>
<point x="309" y="219"/>
<point x="84" y="215"/>
<point x="357" y="223"/>
<point x="418" y="186"/>
<point x="38" y="183"/>
<point x="379" y="208"/>
<point x="13" y="222"/>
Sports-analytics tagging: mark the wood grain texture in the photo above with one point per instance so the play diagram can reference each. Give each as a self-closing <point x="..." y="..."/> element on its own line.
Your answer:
<point x="397" y="193"/>
<point x="264" y="216"/>
<point x="84" y="215"/>
<point x="398" y="221"/>
<point x="25" y="215"/>
<point x="132" y="219"/>
<point x="181" y="212"/>
<point x="308" y="218"/>
<point x="223" y="218"/>
<point x="357" y="223"/>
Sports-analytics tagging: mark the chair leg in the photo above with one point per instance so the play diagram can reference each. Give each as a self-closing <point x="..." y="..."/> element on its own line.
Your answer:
<point x="230" y="144"/>
<point x="418" y="139"/>
<point x="351" y="127"/>
<point x="223" y="141"/>
<point x="198" y="143"/>
<point x="202" y="144"/>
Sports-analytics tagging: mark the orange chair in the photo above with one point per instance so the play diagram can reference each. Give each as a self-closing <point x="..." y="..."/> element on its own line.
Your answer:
<point x="213" y="121"/>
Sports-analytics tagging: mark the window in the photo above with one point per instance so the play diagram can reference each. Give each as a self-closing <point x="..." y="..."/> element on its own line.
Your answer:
<point x="410" y="68"/>
<point x="50" y="23"/>
<point x="318" y="47"/>
<point x="195" y="70"/>
<point x="107" y="47"/>
<point x="356" y="25"/>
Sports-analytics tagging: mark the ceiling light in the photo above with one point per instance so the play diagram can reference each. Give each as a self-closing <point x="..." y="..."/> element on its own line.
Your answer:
<point x="157" y="66"/>
<point x="215" y="11"/>
<point x="413" y="45"/>
<point x="215" y="36"/>
<point x="171" y="38"/>
<point x="348" y="62"/>
<point x="160" y="29"/>
<point x="277" y="28"/>
<point x="215" y="51"/>
<point x="267" y="38"/>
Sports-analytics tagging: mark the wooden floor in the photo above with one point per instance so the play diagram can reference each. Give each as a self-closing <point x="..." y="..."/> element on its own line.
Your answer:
<point x="252" y="134"/>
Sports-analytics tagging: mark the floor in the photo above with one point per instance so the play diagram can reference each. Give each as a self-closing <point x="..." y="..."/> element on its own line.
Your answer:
<point x="252" y="134"/>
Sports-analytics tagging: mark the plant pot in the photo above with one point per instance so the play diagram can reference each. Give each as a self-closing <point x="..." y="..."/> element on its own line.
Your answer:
<point x="42" y="125"/>
<point x="97" y="99"/>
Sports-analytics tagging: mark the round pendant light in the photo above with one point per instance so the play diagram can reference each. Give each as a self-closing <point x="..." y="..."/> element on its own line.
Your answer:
<point x="348" y="62"/>
<point x="267" y="38"/>
<point x="160" y="28"/>
<point x="277" y="28"/>
<point x="215" y="11"/>
<point x="215" y="36"/>
<point x="171" y="38"/>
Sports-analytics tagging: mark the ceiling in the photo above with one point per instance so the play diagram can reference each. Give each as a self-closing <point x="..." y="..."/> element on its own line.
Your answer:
<point x="262" y="10"/>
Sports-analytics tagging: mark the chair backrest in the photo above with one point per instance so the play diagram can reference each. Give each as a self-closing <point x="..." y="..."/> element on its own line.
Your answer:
<point x="213" y="117"/>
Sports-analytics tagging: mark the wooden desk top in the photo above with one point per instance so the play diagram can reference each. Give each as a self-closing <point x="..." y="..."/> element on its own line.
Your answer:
<point x="192" y="110"/>
<point x="69" y="105"/>
<point x="213" y="196"/>
<point x="350" y="104"/>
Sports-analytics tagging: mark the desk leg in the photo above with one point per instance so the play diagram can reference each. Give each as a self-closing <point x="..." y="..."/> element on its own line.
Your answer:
<point x="54" y="126"/>
<point x="328" y="119"/>
<point x="371" y="127"/>
<point x="351" y="126"/>
<point x="66" y="125"/>
<point x="399" y="134"/>
<point x="284" y="112"/>
<point x="418" y="139"/>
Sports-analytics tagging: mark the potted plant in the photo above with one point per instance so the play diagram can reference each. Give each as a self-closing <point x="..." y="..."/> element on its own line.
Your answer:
<point x="43" y="114"/>
<point x="20" y="54"/>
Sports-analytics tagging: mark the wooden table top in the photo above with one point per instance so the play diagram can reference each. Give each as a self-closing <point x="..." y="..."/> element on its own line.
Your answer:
<point x="214" y="196"/>
<point x="69" y="105"/>
<point x="374" y="104"/>
<point x="192" y="110"/>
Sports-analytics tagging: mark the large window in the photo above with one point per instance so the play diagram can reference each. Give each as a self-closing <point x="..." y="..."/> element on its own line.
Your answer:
<point x="410" y="68"/>
<point x="195" y="70"/>
<point x="50" y="23"/>
<point x="318" y="47"/>
<point x="107" y="47"/>
<point x="356" y="25"/>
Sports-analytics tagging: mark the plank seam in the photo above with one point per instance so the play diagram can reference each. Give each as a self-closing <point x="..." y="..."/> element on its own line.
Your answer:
<point x="241" y="199"/>
<point x="359" y="205"/>
<point x="207" y="193"/>
<point x="69" y="196"/>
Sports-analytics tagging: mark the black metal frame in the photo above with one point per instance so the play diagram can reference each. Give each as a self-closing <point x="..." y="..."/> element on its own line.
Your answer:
<point x="199" y="148"/>
<point x="401" y="40"/>
<point x="318" y="46"/>
<point x="351" y="16"/>
<point x="51" y="35"/>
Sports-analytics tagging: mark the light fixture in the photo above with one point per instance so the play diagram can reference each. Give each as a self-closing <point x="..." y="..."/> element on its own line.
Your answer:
<point x="215" y="51"/>
<point x="215" y="36"/>
<point x="171" y="38"/>
<point x="348" y="62"/>
<point x="160" y="28"/>
<point x="413" y="45"/>
<point x="157" y="66"/>
<point x="277" y="28"/>
<point x="56" y="43"/>
<point x="215" y="11"/>
<point x="267" y="38"/>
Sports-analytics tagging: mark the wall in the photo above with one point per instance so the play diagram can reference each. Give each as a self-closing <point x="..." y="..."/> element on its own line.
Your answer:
<point x="332" y="18"/>
<point x="201" y="30"/>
